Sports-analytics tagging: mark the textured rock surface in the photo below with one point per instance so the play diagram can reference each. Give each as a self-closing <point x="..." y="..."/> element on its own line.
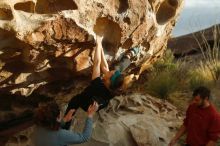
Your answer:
<point x="136" y="120"/>
<point x="132" y="120"/>
<point x="47" y="45"/>
<point x="42" y="39"/>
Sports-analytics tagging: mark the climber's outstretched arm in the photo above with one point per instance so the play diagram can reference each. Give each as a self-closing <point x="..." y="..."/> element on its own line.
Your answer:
<point x="97" y="58"/>
<point x="104" y="63"/>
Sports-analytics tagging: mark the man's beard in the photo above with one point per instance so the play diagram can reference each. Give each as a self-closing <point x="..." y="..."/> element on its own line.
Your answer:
<point x="202" y="104"/>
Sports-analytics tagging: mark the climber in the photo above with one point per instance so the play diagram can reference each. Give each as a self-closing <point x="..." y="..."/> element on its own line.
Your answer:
<point x="48" y="132"/>
<point x="202" y="122"/>
<point x="101" y="90"/>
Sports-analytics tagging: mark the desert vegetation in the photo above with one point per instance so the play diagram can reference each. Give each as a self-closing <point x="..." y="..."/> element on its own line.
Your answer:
<point x="174" y="79"/>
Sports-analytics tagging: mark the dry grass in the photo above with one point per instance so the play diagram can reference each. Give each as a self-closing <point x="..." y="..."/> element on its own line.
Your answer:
<point x="175" y="81"/>
<point x="211" y="53"/>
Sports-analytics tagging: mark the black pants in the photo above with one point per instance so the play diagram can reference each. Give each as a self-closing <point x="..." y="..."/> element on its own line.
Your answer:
<point x="74" y="103"/>
<point x="83" y="102"/>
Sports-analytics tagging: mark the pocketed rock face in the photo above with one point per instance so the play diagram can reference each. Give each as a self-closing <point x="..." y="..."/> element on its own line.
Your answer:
<point x="43" y="35"/>
<point x="48" y="45"/>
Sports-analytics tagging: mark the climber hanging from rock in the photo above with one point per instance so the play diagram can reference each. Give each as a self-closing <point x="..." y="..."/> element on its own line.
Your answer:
<point x="101" y="89"/>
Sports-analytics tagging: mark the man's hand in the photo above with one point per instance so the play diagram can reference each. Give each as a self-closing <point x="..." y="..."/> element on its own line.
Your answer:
<point x="211" y="143"/>
<point x="92" y="109"/>
<point x="178" y="135"/>
<point x="69" y="115"/>
<point x="172" y="142"/>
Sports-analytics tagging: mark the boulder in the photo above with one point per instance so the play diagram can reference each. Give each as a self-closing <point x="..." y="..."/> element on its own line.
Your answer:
<point x="39" y="35"/>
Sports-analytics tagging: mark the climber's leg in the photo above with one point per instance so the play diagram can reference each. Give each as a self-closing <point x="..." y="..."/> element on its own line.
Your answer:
<point x="129" y="56"/>
<point x="123" y="64"/>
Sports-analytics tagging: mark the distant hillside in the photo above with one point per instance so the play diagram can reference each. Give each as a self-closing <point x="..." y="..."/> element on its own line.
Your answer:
<point x="190" y="44"/>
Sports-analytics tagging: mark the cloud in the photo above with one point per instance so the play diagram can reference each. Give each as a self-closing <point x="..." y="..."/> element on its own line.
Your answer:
<point x="192" y="19"/>
<point x="202" y="3"/>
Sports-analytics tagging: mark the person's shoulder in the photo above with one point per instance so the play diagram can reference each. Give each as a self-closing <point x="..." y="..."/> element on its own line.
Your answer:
<point x="40" y="130"/>
<point x="65" y="136"/>
<point x="213" y="111"/>
<point x="191" y="106"/>
<point x="97" y="80"/>
<point x="94" y="82"/>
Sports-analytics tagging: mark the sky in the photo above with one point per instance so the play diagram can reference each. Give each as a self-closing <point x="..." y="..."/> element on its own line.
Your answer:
<point x="197" y="15"/>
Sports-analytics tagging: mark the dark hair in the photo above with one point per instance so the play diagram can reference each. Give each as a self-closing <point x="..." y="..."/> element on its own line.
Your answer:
<point x="46" y="116"/>
<point x="202" y="91"/>
<point x="118" y="82"/>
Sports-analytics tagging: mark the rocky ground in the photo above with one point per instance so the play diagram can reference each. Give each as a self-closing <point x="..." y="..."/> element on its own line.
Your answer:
<point x="132" y="119"/>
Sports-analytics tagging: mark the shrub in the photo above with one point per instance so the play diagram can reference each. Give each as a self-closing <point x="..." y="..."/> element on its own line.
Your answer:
<point x="162" y="84"/>
<point x="196" y="79"/>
